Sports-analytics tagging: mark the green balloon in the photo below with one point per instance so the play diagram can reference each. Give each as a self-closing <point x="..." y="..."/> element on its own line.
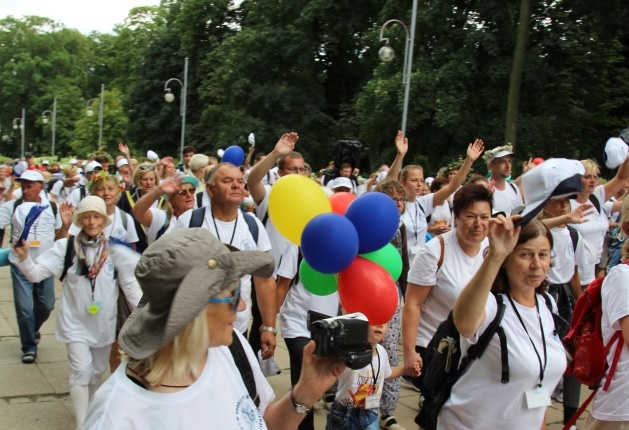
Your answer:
<point x="320" y="284"/>
<point x="389" y="258"/>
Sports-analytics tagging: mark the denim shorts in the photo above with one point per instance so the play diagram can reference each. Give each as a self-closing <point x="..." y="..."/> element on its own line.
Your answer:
<point x="343" y="417"/>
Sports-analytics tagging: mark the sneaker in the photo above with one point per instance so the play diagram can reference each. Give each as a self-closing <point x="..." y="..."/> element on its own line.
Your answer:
<point x="390" y="423"/>
<point x="409" y="383"/>
<point x="29" y="357"/>
<point x="557" y="395"/>
<point x="37" y="338"/>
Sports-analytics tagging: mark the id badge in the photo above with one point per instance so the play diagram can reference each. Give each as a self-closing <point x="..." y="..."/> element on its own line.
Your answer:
<point x="415" y="249"/>
<point x="94" y="307"/>
<point x="372" y="402"/>
<point x="537" y="398"/>
<point x="35" y="243"/>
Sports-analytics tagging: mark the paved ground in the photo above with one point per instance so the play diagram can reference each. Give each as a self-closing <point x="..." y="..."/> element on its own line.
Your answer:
<point x="36" y="396"/>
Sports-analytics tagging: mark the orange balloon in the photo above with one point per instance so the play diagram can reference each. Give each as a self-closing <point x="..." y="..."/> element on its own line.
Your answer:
<point x="340" y="201"/>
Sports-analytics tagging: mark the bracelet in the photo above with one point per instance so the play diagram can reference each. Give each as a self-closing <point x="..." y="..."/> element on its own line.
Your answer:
<point x="268" y="328"/>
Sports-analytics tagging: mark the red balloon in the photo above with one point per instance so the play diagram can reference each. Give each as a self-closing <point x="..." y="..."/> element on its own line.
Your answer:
<point x="368" y="288"/>
<point x="538" y="160"/>
<point x="340" y="202"/>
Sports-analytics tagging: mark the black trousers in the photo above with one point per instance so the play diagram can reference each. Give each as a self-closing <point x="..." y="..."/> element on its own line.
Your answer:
<point x="295" y="348"/>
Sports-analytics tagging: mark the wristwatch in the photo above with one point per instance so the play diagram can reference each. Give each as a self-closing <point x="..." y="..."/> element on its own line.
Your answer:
<point x="300" y="409"/>
<point x="268" y="328"/>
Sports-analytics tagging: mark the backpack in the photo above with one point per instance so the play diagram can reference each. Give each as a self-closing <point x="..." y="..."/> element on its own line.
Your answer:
<point x="51" y="182"/>
<point x="441" y="367"/>
<point x="584" y="342"/>
<point x="196" y="220"/>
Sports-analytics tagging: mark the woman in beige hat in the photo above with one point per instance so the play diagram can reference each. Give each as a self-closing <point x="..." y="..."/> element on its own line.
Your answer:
<point x="185" y="360"/>
<point x="86" y="317"/>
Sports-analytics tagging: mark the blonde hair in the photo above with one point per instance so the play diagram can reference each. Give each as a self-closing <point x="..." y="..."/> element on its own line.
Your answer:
<point x="70" y="170"/>
<point x="178" y="357"/>
<point x="139" y="173"/>
<point x="102" y="179"/>
<point x="591" y="165"/>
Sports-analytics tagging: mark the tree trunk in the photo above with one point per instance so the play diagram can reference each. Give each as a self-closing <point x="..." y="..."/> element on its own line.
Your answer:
<point x="517" y="69"/>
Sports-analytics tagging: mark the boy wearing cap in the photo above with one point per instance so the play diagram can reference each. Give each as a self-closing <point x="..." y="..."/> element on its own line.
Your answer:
<point x="33" y="219"/>
<point x="507" y="196"/>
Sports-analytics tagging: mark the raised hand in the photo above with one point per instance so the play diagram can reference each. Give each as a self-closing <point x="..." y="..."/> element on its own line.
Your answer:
<point x="474" y="150"/>
<point x="66" y="210"/>
<point x="578" y="214"/>
<point x="401" y="143"/>
<point x="527" y="165"/>
<point x="123" y="148"/>
<point x="503" y="235"/>
<point x="286" y="143"/>
<point x="169" y="186"/>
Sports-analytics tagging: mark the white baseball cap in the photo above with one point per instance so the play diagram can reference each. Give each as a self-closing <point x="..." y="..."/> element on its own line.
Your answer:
<point x="73" y="161"/>
<point x="122" y="162"/>
<point x="615" y="152"/>
<point x="92" y="165"/>
<point x="31" y="176"/>
<point x="342" y="181"/>
<point x="554" y="178"/>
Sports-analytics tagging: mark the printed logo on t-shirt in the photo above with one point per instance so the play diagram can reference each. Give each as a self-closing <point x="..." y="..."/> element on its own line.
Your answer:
<point x="45" y="221"/>
<point x="109" y="269"/>
<point x="119" y="233"/>
<point x="247" y="415"/>
<point x="247" y="245"/>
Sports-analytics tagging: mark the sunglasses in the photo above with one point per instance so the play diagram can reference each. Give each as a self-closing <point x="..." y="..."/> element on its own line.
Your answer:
<point x="297" y="169"/>
<point x="146" y="167"/>
<point x="186" y="191"/>
<point x="233" y="300"/>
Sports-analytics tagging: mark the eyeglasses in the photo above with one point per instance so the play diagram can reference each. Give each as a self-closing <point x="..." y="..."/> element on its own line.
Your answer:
<point x="233" y="300"/>
<point x="146" y="167"/>
<point x="186" y="191"/>
<point x="399" y="200"/>
<point x="297" y="169"/>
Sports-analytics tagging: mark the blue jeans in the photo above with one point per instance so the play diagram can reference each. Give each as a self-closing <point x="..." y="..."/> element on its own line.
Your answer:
<point x="33" y="304"/>
<point x="343" y="417"/>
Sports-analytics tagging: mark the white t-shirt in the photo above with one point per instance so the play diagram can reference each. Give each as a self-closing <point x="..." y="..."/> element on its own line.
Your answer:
<point x="356" y="385"/>
<point x="205" y="200"/>
<point x="60" y="192"/>
<point x="278" y="241"/>
<point x="75" y="196"/>
<point x="564" y="258"/>
<point x="479" y="400"/>
<point x="159" y="219"/>
<point x="237" y="234"/>
<point x="508" y="199"/>
<point x="455" y="272"/>
<point x="116" y="229"/>
<point x="414" y="218"/>
<point x="443" y="212"/>
<point x="593" y="233"/>
<point x="74" y="322"/>
<point x="42" y="231"/>
<point x="294" y="310"/>
<point x="613" y="404"/>
<point x="217" y="400"/>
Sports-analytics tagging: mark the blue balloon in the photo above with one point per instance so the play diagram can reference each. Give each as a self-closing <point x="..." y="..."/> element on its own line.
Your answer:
<point x="329" y="243"/>
<point x="376" y="219"/>
<point x="235" y="155"/>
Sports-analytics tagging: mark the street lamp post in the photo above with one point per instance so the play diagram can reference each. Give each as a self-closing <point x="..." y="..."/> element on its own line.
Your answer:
<point x="169" y="97"/>
<point x="22" y="127"/>
<point x="387" y="53"/>
<point x="101" y="107"/>
<point x="44" y="119"/>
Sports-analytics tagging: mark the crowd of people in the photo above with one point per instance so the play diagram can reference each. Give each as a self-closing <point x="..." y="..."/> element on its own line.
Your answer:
<point x="189" y="257"/>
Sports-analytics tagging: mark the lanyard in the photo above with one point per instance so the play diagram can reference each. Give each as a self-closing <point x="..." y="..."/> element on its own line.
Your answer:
<point x="539" y="359"/>
<point x="99" y="261"/>
<point x="216" y="228"/>
<point x="415" y="221"/>
<point x="373" y="372"/>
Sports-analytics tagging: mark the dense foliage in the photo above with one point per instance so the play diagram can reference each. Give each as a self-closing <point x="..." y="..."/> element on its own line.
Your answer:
<point x="271" y="66"/>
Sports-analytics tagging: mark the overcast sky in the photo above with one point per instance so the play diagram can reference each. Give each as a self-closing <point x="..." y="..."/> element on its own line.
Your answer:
<point x="84" y="15"/>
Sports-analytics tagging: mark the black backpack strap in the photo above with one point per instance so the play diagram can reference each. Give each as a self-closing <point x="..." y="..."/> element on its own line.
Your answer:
<point x="199" y="196"/>
<point x="67" y="260"/>
<point x="574" y="236"/>
<point x="53" y="206"/>
<point x="162" y="230"/>
<point x="515" y="189"/>
<point x="253" y="226"/>
<point x="244" y="367"/>
<point x="594" y="200"/>
<point x="196" y="219"/>
<point x="16" y="204"/>
<point x="265" y="218"/>
<point x="123" y="217"/>
<point x="82" y="192"/>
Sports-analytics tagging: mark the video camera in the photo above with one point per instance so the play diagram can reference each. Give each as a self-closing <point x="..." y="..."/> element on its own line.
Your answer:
<point x="345" y="336"/>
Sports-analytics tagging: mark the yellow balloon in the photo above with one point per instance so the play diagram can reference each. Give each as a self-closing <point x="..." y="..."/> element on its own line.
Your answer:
<point x="295" y="200"/>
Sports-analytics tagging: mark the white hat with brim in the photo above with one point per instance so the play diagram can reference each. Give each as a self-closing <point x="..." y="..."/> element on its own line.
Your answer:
<point x="91" y="204"/>
<point x="342" y="181"/>
<point x="500" y="154"/>
<point x="122" y="162"/>
<point x="92" y="165"/>
<point x="178" y="274"/>
<point x="554" y="178"/>
<point x="31" y="176"/>
<point x="615" y="152"/>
